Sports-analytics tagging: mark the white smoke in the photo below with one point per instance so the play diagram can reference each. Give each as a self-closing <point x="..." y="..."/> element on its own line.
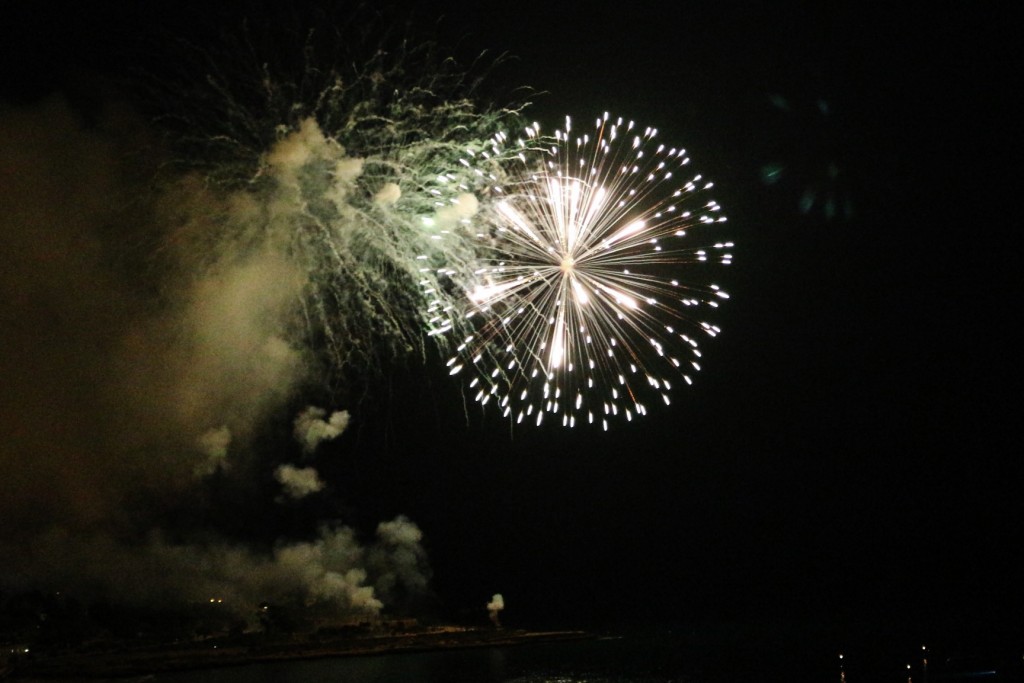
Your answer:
<point x="120" y="308"/>
<point x="397" y="561"/>
<point x="298" y="482"/>
<point x="214" y="445"/>
<point x="462" y="207"/>
<point x="495" y="606"/>
<point x="326" y="574"/>
<point x="287" y="157"/>
<point x="138" y="315"/>
<point x="311" y="429"/>
<point x="388" y="194"/>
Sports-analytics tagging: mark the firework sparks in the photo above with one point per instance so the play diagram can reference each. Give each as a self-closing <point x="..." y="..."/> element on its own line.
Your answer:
<point x="808" y="160"/>
<point x="587" y="303"/>
<point x="356" y="174"/>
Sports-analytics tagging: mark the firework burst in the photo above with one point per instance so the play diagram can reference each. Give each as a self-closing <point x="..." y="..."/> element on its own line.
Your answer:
<point x="588" y="301"/>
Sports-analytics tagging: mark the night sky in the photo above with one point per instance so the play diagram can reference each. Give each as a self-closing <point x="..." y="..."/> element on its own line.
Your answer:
<point x="846" y="453"/>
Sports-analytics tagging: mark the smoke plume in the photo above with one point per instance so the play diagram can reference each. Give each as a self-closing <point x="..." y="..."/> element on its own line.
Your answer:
<point x="311" y="429"/>
<point x="174" y="284"/>
<point x="214" y="445"/>
<point x="397" y="562"/>
<point x="298" y="482"/>
<point x="152" y="326"/>
<point x="495" y="606"/>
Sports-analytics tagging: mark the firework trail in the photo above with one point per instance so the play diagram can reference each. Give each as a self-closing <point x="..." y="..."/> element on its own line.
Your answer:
<point x="586" y="300"/>
<point x="359" y="173"/>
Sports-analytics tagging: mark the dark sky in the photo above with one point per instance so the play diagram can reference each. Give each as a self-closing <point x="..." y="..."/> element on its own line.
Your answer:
<point x="847" y="451"/>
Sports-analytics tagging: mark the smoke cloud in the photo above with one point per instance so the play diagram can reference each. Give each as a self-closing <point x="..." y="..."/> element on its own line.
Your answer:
<point x="397" y="561"/>
<point x="298" y="482"/>
<point x="151" y="327"/>
<point x="326" y="573"/>
<point x="311" y="429"/>
<point x="214" y="444"/>
<point x="495" y="606"/>
<point x="464" y="206"/>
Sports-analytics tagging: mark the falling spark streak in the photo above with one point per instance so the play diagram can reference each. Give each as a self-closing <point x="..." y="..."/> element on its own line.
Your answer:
<point x="589" y="253"/>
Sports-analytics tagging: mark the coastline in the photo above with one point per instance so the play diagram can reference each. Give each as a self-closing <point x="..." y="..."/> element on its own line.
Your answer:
<point x="214" y="654"/>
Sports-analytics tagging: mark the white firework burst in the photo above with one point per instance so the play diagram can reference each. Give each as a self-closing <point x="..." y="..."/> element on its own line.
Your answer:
<point x="590" y="294"/>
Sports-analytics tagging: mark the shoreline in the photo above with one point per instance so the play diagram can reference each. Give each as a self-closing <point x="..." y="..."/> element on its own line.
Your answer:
<point x="162" y="659"/>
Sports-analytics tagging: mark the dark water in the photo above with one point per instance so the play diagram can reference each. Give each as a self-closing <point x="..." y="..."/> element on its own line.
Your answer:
<point x="655" y="655"/>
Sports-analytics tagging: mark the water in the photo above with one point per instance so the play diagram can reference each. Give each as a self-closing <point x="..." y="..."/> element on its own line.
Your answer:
<point x="616" y="659"/>
<point x="659" y="655"/>
<point x="722" y="654"/>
